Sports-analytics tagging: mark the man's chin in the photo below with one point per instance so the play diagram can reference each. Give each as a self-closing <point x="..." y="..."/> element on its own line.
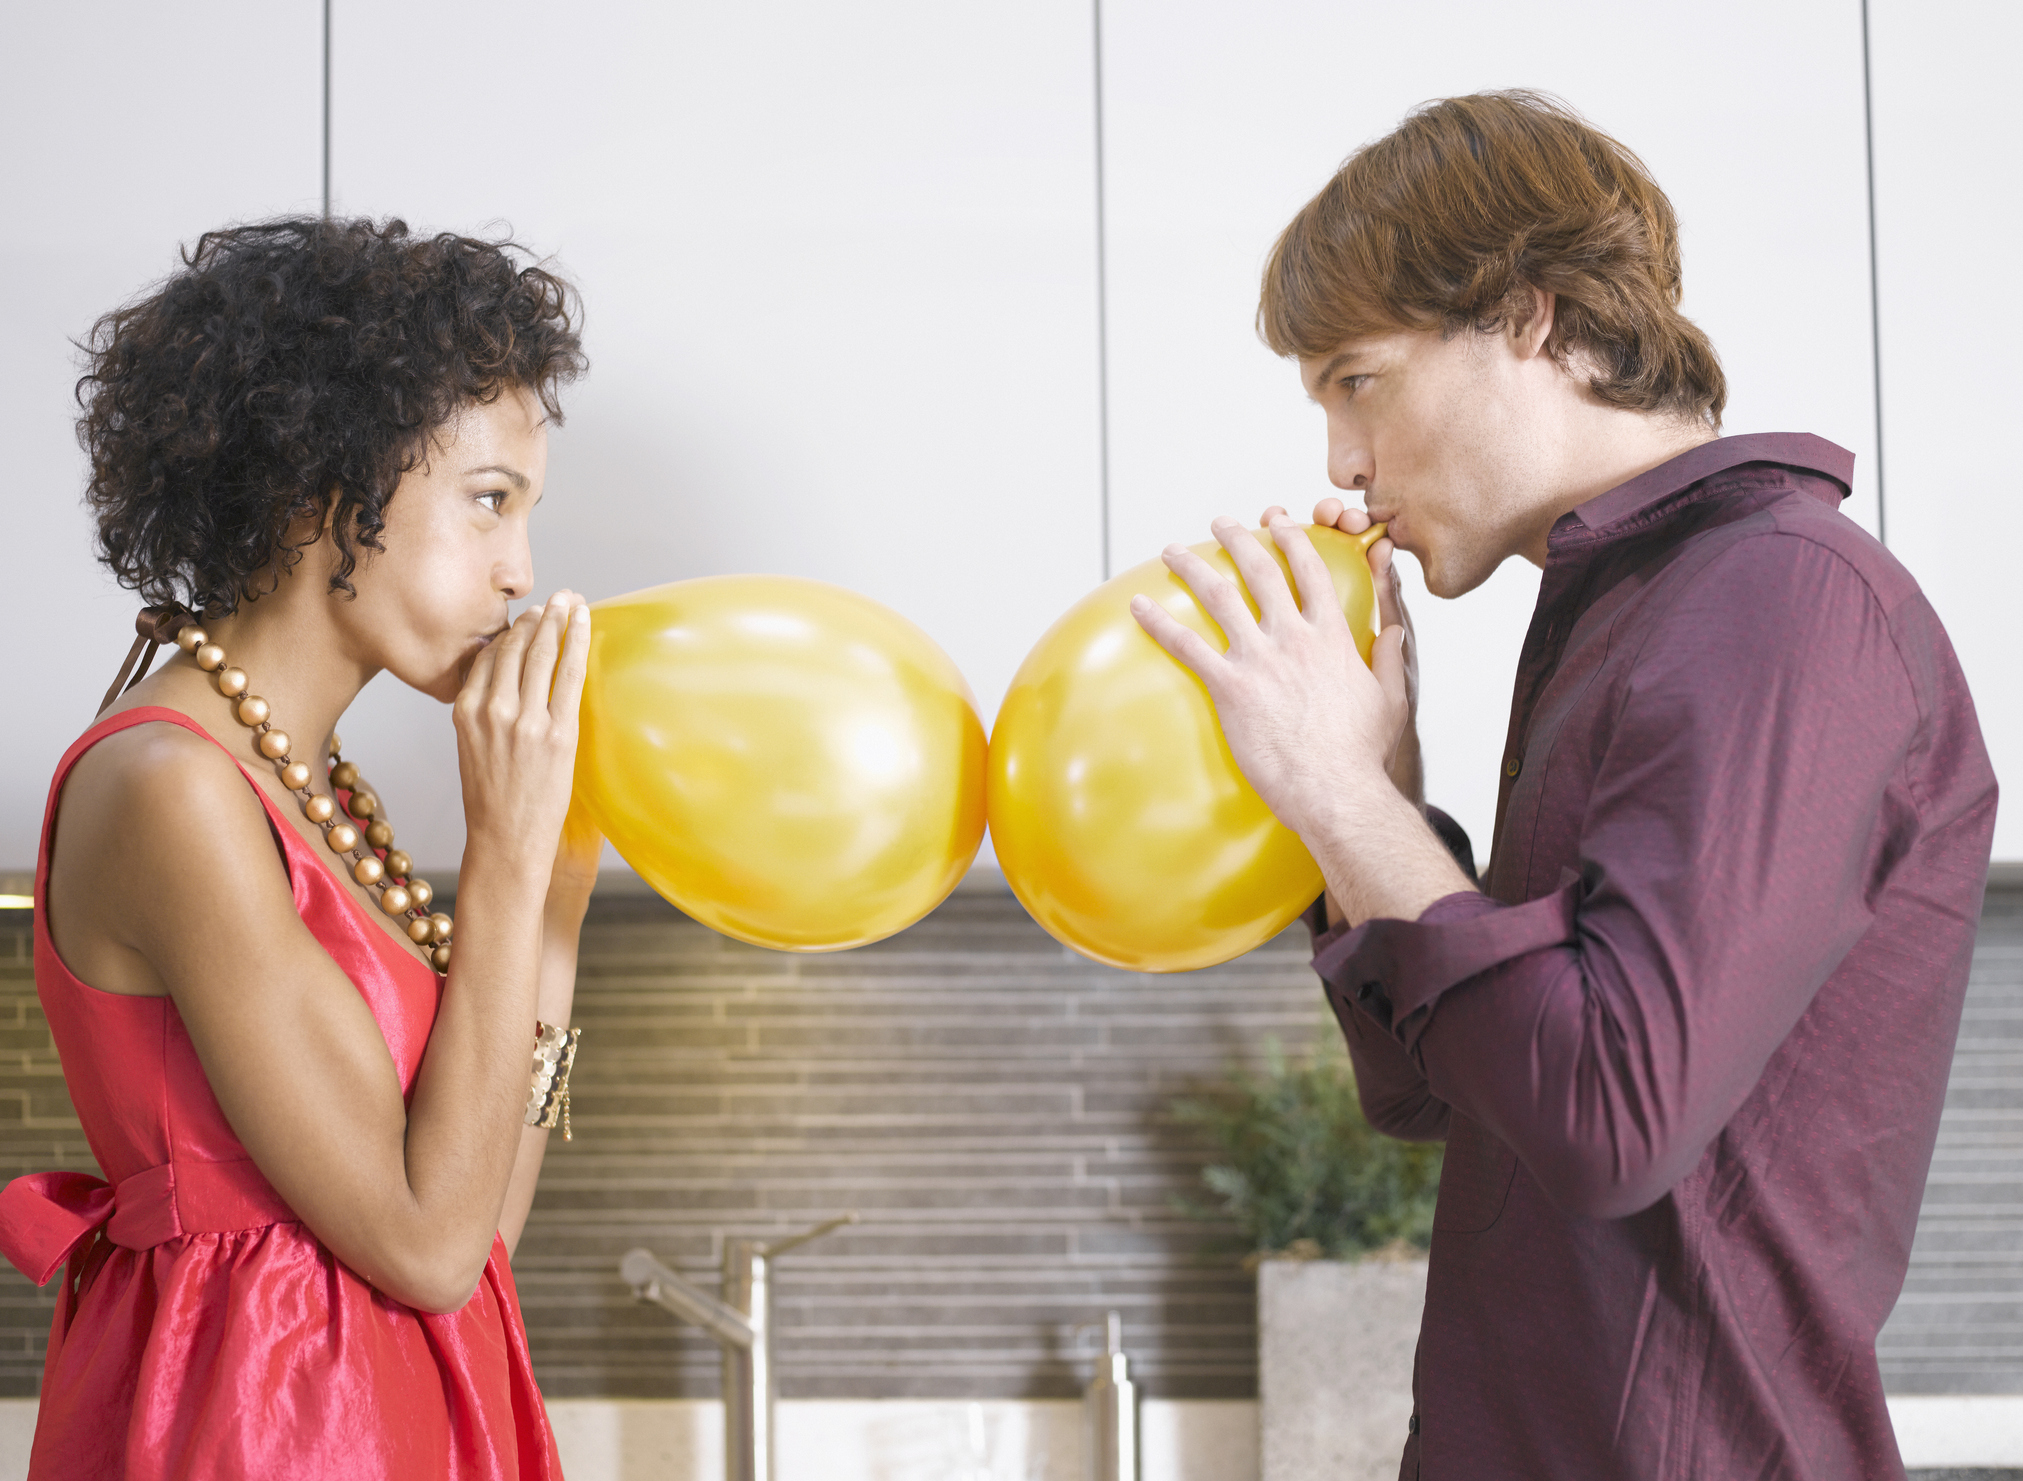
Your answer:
<point x="1444" y="578"/>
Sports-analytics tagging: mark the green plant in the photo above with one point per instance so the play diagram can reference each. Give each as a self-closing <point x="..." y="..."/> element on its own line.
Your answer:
<point x="1301" y="1171"/>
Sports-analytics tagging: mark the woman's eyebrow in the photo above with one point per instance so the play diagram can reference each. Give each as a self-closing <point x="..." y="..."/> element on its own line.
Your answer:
<point x="518" y="479"/>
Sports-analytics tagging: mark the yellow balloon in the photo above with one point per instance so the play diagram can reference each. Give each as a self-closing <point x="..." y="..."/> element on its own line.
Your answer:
<point x="1117" y="812"/>
<point x="784" y="760"/>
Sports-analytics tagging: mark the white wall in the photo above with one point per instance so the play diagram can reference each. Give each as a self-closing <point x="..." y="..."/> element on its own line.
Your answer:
<point x="1222" y="120"/>
<point x="1949" y="215"/>
<point x="840" y="275"/>
<point x="840" y="272"/>
<point x="128" y="128"/>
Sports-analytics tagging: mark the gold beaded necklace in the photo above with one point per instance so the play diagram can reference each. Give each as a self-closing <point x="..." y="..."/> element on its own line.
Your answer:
<point x="365" y="835"/>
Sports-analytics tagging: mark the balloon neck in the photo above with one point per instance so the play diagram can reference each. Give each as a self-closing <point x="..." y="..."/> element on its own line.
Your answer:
<point x="1370" y="536"/>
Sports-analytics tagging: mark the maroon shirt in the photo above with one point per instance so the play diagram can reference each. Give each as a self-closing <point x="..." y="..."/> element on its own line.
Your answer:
<point x="1688" y="1049"/>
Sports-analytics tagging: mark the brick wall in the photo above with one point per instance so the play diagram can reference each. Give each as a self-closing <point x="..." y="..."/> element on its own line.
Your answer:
<point x="994" y="1107"/>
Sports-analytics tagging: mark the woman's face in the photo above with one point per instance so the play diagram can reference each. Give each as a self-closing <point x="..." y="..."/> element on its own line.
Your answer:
<point x="456" y="548"/>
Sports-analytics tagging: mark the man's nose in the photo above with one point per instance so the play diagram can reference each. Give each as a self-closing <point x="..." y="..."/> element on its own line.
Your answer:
<point x="1350" y="466"/>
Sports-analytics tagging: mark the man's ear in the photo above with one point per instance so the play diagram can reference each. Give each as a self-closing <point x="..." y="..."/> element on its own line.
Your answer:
<point x="1529" y="324"/>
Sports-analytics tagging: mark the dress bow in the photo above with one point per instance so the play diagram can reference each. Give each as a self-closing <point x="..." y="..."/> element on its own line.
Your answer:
<point x="47" y="1217"/>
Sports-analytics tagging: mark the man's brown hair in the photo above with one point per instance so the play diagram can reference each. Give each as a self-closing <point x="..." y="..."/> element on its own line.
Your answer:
<point x="1449" y="220"/>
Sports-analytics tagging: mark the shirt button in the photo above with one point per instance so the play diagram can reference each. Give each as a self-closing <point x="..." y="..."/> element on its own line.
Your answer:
<point x="1412" y="1426"/>
<point x="1513" y="766"/>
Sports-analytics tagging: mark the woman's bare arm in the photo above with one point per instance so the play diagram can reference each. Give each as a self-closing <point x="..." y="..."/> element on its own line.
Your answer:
<point x="180" y="847"/>
<point x="561" y="928"/>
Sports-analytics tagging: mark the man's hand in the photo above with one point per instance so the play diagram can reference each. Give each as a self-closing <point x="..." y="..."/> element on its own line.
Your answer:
<point x="1313" y="730"/>
<point x="1404" y="765"/>
<point x="1306" y="721"/>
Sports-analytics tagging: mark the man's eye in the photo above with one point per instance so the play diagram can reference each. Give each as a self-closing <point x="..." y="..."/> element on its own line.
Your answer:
<point x="1351" y="384"/>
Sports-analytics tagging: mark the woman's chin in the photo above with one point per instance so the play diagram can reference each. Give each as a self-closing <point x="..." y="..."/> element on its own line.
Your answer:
<point x="441" y="685"/>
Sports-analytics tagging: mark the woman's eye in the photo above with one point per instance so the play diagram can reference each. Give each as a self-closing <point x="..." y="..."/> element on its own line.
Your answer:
<point x="492" y="499"/>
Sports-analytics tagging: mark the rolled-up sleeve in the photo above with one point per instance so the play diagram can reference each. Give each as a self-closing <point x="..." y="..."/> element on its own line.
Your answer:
<point x="1391" y="1087"/>
<point x="1741" y="803"/>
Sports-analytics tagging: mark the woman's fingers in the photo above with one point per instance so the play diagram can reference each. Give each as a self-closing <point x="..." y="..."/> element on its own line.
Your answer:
<point x="1218" y="597"/>
<point x="1178" y="639"/>
<point x="1259" y="571"/>
<point x="1276" y="511"/>
<point x="499" y="694"/>
<point x="568" y="690"/>
<point x="537" y="672"/>
<point x="477" y="682"/>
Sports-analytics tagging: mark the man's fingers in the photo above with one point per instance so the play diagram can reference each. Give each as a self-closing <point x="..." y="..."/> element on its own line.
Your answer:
<point x="1333" y="513"/>
<point x="1178" y="639"/>
<point x="1387" y="662"/>
<point x="1276" y="511"/>
<point x="1390" y="590"/>
<point x="1259" y="571"/>
<point x="1218" y="597"/>
<point x="1309" y="571"/>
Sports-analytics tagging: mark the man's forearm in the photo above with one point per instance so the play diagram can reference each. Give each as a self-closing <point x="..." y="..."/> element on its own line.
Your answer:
<point x="1380" y="857"/>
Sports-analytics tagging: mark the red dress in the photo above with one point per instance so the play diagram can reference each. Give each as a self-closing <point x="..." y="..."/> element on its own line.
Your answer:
<point x="202" y="1329"/>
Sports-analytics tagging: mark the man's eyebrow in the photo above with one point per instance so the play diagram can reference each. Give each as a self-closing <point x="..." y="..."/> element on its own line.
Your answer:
<point x="513" y="475"/>
<point x="1328" y="370"/>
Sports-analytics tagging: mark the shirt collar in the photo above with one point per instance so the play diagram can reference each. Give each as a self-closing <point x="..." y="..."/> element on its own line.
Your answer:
<point x="1800" y="451"/>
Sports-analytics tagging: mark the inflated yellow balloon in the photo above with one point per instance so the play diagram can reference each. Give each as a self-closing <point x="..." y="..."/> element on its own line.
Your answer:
<point x="1117" y="812"/>
<point x="786" y="761"/>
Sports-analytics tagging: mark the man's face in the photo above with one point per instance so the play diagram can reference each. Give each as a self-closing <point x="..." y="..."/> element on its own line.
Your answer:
<point x="1440" y="437"/>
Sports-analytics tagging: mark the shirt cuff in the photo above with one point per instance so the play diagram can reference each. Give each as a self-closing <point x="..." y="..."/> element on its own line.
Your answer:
<point x="1395" y="970"/>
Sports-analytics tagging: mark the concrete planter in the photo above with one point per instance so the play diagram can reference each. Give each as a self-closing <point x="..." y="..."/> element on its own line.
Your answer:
<point x="1335" y="1343"/>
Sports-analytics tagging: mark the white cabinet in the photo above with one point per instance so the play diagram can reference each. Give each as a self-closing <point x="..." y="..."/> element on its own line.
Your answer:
<point x="839" y="265"/>
<point x="1223" y="119"/>
<point x="1949" y="212"/>
<point x="128" y="130"/>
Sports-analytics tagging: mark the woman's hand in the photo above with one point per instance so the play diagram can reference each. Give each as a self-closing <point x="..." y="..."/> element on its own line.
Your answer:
<point x="577" y="854"/>
<point x="516" y="737"/>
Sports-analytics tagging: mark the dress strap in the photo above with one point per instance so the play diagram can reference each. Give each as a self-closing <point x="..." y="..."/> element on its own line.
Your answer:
<point x="112" y="725"/>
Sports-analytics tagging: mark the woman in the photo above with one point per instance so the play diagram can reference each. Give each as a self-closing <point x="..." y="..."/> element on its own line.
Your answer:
<point x="324" y="439"/>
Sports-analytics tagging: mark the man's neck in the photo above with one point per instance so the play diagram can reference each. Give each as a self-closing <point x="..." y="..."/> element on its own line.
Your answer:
<point x="1602" y="448"/>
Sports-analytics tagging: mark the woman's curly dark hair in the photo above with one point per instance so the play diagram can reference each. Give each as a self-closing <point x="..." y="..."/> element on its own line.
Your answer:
<point x="292" y="366"/>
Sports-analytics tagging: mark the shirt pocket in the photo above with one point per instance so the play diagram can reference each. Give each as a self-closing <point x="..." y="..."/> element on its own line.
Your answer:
<point x="1475" y="1178"/>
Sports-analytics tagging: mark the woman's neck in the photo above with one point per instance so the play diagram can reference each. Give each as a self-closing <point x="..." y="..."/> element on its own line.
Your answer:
<point x="296" y="656"/>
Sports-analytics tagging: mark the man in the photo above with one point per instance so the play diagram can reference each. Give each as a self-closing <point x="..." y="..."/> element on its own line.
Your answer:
<point x="1687" y="1043"/>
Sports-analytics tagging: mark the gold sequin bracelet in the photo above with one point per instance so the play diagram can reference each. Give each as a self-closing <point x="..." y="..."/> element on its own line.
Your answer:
<point x="548" y="1098"/>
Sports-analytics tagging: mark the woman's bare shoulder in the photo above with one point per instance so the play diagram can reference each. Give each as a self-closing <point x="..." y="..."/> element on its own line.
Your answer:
<point x="151" y="821"/>
<point x="156" y="768"/>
